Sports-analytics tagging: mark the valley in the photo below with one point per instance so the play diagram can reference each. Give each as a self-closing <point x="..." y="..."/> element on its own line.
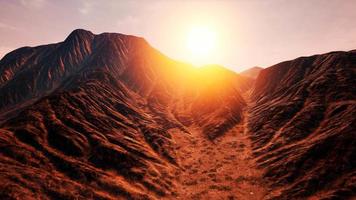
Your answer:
<point x="220" y="169"/>
<point x="107" y="116"/>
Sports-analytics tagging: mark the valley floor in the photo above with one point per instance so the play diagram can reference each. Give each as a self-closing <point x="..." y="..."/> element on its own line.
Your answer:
<point x="219" y="169"/>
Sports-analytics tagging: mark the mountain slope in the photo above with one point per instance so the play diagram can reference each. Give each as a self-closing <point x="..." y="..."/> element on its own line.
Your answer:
<point x="252" y="72"/>
<point x="89" y="117"/>
<point x="108" y="117"/>
<point x="303" y="126"/>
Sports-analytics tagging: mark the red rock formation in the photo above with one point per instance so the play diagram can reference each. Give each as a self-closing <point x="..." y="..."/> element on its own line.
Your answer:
<point x="302" y="126"/>
<point x="100" y="116"/>
<point x="89" y="117"/>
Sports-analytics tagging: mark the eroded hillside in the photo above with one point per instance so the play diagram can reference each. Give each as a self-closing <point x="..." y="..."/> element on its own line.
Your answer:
<point x="89" y="117"/>
<point x="302" y="126"/>
<point x="109" y="117"/>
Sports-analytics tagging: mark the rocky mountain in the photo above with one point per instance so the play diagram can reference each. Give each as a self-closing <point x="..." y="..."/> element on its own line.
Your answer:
<point x="252" y="72"/>
<point x="89" y="117"/>
<point x="302" y="125"/>
<point x="109" y="117"/>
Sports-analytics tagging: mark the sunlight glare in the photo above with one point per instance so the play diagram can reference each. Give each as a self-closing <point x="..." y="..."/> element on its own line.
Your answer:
<point x="201" y="44"/>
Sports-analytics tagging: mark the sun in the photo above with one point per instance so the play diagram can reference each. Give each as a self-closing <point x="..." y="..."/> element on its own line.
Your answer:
<point x="201" y="44"/>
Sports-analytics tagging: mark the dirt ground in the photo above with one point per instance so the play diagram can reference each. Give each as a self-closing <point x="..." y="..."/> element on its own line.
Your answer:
<point x="219" y="169"/>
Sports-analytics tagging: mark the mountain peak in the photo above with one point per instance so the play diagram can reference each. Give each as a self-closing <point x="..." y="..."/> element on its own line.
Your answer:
<point x="79" y="34"/>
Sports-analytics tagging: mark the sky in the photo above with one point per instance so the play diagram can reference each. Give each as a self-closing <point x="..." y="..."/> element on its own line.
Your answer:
<point x="249" y="32"/>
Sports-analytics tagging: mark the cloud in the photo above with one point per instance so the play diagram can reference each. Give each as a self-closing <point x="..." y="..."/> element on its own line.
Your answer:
<point x="33" y="3"/>
<point x="7" y="26"/>
<point x="127" y="21"/>
<point x="86" y="6"/>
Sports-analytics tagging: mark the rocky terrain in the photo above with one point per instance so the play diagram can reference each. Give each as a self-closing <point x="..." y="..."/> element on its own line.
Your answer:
<point x="302" y="126"/>
<point x="89" y="117"/>
<point x="109" y="117"/>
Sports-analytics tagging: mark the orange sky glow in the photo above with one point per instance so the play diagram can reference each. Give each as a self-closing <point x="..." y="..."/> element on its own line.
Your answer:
<point x="238" y="34"/>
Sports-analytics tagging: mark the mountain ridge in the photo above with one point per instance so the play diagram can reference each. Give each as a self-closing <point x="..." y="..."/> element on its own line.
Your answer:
<point x="109" y="117"/>
<point x="100" y="106"/>
<point x="306" y="108"/>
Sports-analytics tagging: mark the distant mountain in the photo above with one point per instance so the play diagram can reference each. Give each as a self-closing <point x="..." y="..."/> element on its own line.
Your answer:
<point x="89" y="117"/>
<point x="252" y="72"/>
<point x="302" y="126"/>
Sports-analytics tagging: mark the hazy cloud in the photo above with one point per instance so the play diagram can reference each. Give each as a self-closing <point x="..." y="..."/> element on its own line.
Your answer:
<point x="33" y="3"/>
<point x="7" y="26"/>
<point x="127" y="22"/>
<point x="86" y="7"/>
